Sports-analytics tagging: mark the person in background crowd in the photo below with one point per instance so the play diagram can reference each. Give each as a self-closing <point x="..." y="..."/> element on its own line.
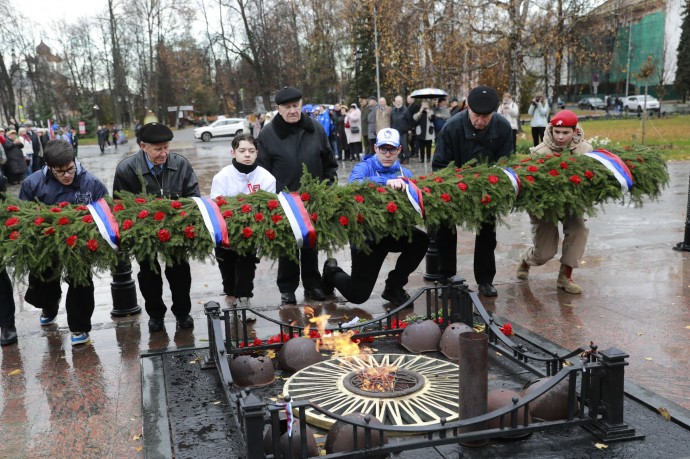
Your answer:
<point x="155" y="170"/>
<point x="15" y="167"/>
<point x="413" y="106"/>
<point x="333" y="135"/>
<point x="101" y="138"/>
<point x="476" y="133"/>
<point x="510" y="111"/>
<point x="8" y="331"/>
<point x="75" y="141"/>
<point x="354" y="133"/>
<point x="364" y="116"/>
<point x="401" y="120"/>
<point x="343" y="146"/>
<point x="288" y="143"/>
<point x="563" y="135"/>
<point x="106" y="136"/>
<point x="371" y="118"/>
<point x="36" y="144"/>
<point x="383" y="115"/>
<point x="116" y="137"/>
<point x="441" y="115"/>
<point x="454" y="106"/>
<point x="63" y="179"/>
<point x="539" y="109"/>
<point x="242" y="176"/>
<point x="424" y="131"/>
<point x="27" y="149"/>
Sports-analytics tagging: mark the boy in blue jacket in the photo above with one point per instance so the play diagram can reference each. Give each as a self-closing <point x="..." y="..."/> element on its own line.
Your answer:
<point x="384" y="169"/>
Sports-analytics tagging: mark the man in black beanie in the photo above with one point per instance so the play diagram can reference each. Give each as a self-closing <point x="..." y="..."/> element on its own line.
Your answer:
<point x="476" y="133"/>
<point x="290" y="141"/>
<point x="164" y="174"/>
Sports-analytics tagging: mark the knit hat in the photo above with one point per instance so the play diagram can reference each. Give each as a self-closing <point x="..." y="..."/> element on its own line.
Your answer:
<point x="483" y="100"/>
<point x="564" y="118"/>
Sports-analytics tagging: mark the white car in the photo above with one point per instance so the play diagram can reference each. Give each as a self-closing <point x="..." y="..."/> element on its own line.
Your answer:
<point x="637" y="103"/>
<point x="223" y="127"/>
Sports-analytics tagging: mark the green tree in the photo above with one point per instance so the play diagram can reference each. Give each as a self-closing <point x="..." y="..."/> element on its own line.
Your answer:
<point x="683" y="70"/>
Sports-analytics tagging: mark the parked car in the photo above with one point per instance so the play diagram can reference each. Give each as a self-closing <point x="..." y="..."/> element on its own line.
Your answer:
<point x="223" y="127"/>
<point x="592" y="103"/>
<point x="637" y="103"/>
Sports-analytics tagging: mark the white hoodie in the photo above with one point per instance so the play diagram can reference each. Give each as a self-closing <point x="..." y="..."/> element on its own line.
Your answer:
<point x="230" y="182"/>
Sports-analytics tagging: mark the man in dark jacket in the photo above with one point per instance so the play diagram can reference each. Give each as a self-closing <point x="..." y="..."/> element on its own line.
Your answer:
<point x="8" y="331"/>
<point x="401" y="121"/>
<point x="476" y="133"/>
<point x="291" y="140"/>
<point x="165" y="174"/>
<point x="364" y="108"/>
<point x="62" y="179"/>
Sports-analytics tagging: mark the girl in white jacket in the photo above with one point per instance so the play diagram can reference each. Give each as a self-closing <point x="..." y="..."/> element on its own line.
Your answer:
<point x="243" y="176"/>
<point x="539" y="109"/>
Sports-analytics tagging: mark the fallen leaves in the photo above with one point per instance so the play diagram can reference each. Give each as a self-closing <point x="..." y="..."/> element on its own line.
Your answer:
<point x="601" y="445"/>
<point x="664" y="413"/>
<point x="14" y="372"/>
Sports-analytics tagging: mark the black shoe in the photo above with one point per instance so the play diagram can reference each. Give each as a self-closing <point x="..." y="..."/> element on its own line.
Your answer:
<point x="487" y="289"/>
<point x="288" y="298"/>
<point x="315" y="294"/>
<point x="397" y="296"/>
<point x="8" y="336"/>
<point x="329" y="268"/>
<point x="156" y="325"/>
<point x="185" y="322"/>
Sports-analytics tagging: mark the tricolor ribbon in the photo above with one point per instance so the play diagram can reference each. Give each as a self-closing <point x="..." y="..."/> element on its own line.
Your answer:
<point x="214" y="221"/>
<point x="299" y="219"/>
<point x="414" y="194"/>
<point x="616" y="166"/>
<point x="105" y="221"/>
<point x="514" y="179"/>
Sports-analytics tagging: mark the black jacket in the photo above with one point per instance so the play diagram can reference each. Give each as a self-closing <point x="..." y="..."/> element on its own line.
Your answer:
<point x="459" y="141"/>
<point x="16" y="164"/>
<point x="401" y="120"/>
<point x="176" y="181"/>
<point x="284" y="148"/>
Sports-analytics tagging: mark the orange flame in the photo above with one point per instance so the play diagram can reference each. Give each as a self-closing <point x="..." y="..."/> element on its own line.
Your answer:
<point x="340" y="343"/>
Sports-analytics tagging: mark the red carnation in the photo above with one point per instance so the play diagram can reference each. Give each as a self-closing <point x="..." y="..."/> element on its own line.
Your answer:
<point x="176" y="204"/>
<point x="39" y="220"/>
<point x="247" y="232"/>
<point x="589" y="174"/>
<point x="87" y="219"/>
<point x="72" y="240"/>
<point x="56" y="210"/>
<point x="140" y="200"/>
<point x="314" y="217"/>
<point x="507" y="329"/>
<point x="81" y="208"/>
<point x="422" y="177"/>
<point x="118" y="207"/>
<point x="127" y="224"/>
<point x="476" y="175"/>
<point x="360" y="218"/>
<point x="529" y="178"/>
<point x="541" y="160"/>
<point x="11" y="222"/>
<point x="63" y="221"/>
<point x="532" y="168"/>
<point x="554" y="172"/>
<point x="359" y="198"/>
<point x="92" y="245"/>
<point x="220" y="201"/>
<point x="158" y="216"/>
<point x="526" y="160"/>
<point x="270" y="234"/>
<point x="381" y="189"/>
<point x="143" y="214"/>
<point x="445" y="197"/>
<point x="344" y="221"/>
<point x="227" y="214"/>
<point x="276" y="218"/>
<point x="459" y="176"/>
<point x="246" y="208"/>
<point x="413" y="181"/>
<point x="462" y="186"/>
<point x="493" y="179"/>
<point x="48" y="231"/>
<point x="557" y="155"/>
<point x="576" y="179"/>
<point x="12" y="208"/>
<point x="183" y="213"/>
<point x="189" y="232"/>
<point x="438" y="179"/>
<point x="548" y="156"/>
<point x="427" y="190"/>
<point x="259" y="217"/>
<point x="305" y="197"/>
<point x="14" y="235"/>
<point x="392" y="207"/>
<point x="486" y="199"/>
<point x="163" y="235"/>
<point x="564" y="165"/>
<point x="273" y="204"/>
<point x="572" y="159"/>
<point x="240" y="199"/>
<point x="63" y="204"/>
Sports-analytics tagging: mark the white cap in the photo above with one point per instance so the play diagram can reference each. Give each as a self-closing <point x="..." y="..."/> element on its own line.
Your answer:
<point x="388" y="136"/>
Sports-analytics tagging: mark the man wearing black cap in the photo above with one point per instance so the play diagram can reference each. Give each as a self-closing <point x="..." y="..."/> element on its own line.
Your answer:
<point x="476" y="133"/>
<point x="290" y="141"/>
<point x="164" y="174"/>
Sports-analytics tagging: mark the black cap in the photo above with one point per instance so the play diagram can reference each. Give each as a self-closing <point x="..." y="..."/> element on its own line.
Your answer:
<point x="372" y="98"/>
<point x="454" y="99"/>
<point x="287" y="94"/>
<point x="483" y="100"/>
<point x="155" y="133"/>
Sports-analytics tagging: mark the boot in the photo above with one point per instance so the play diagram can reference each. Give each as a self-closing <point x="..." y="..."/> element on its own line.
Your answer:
<point x="523" y="271"/>
<point x="565" y="280"/>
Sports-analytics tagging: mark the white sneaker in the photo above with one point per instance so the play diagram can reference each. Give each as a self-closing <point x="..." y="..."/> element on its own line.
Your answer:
<point x="245" y="302"/>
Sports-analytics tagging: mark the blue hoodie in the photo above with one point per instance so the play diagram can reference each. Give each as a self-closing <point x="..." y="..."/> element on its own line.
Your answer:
<point x="372" y="170"/>
<point x="44" y="187"/>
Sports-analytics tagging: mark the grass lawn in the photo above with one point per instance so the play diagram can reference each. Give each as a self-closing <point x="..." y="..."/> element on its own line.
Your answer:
<point x="670" y="135"/>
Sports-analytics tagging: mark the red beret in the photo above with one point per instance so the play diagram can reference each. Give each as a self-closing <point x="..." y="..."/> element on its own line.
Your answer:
<point x="564" y="118"/>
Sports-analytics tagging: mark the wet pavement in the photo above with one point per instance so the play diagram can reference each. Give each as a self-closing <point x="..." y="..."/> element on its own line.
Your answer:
<point x="58" y="401"/>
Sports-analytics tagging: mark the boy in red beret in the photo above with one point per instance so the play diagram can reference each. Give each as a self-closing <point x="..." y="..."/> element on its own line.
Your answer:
<point x="563" y="135"/>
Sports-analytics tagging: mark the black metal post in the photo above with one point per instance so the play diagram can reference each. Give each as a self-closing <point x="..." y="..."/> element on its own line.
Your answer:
<point x="685" y="245"/>
<point x="473" y="380"/>
<point x="123" y="290"/>
<point x="461" y="306"/>
<point x="211" y="309"/>
<point x="431" y="273"/>
<point x="253" y="421"/>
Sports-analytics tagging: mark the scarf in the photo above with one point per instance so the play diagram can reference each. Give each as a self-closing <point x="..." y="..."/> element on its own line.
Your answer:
<point x="245" y="168"/>
<point x="284" y="129"/>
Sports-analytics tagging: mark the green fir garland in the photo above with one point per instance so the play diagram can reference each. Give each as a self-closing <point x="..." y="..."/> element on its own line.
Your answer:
<point x="64" y="239"/>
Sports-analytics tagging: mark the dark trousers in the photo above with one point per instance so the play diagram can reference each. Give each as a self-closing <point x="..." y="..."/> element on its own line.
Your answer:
<point x="538" y="135"/>
<point x="514" y="141"/>
<point x="357" y="287"/>
<point x="424" y="148"/>
<point x="237" y="272"/>
<point x="46" y="294"/>
<point x="355" y="151"/>
<point x="484" y="257"/>
<point x="289" y="271"/>
<point x="405" y="152"/>
<point x="6" y="301"/>
<point x="370" y="147"/>
<point x="151" y="286"/>
<point x="365" y="139"/>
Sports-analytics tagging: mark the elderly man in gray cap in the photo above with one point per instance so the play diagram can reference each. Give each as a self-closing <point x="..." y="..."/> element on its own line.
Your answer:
<point x="476" y="133"/>
<point x="290" y="141"/>
<point x="164" y="174"/>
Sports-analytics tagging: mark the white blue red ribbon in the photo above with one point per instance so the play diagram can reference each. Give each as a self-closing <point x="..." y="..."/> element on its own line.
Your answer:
<point x="106" y="223"/>
<point x="617" y="167"/>
<point x="214" y="221"/>
<point x="300" y="221"/>
<point x="414" y="194"/>
<point x="514" y="179"/>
